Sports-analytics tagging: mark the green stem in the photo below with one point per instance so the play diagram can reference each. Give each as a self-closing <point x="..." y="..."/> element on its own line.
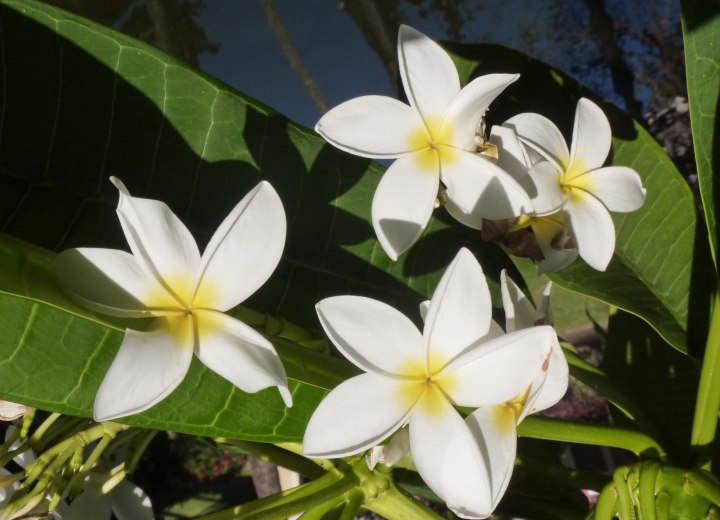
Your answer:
<point x="623" y="493"/>
<point x="295" y="500"/>
<point x="589" y="433"/>
<point x="708" y="396"/>
<point x="706" y="484"/>
<point x="355" y="499"/>
<point x="278" y="456"/>
<point x="607" y="503"/>
<point x="138" y="449"/>
<point x="393" y="504"/>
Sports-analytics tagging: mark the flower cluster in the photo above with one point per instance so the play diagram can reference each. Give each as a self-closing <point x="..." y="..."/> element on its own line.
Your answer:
<point x="524" y="172"/>
<point x="453" y="393"/>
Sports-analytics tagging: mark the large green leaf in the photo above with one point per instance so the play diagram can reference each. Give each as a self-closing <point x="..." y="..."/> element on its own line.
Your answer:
<point x="81" y="103"/>
<point x="652" y="272"/>
<point x="701" y="35"/>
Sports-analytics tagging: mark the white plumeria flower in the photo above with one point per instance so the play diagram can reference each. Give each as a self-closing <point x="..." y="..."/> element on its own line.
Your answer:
<point x="10" y="411"/>
<point x="460" y="359"/>
<point x="167" y="278"/>
<point x="576" y="179"/>
<point x="126" y="501"/>
<point x="432" y="139"/>
<point x="498" y="424"/>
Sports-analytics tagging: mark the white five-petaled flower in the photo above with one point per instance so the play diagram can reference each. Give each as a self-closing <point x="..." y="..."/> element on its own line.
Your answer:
<point x="166" y="277"/>
<point x="575" y="180"/>
<point x="432" y="140"/>
<point x="496" y="424"/>
<point x="461" y="358"/>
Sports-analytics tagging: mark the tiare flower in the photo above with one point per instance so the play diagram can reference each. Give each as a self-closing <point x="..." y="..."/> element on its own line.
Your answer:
<point x="165" y="277"/>
<point x="461" y="358"/>
<point x="575" y="180"/>
<point x="433" y="139"/>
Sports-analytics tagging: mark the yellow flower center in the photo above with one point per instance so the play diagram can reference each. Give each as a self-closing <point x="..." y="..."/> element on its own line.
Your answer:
<point x="424" y="387"/>
<point x="431" y="143"/>
<point x="505" y="415"/>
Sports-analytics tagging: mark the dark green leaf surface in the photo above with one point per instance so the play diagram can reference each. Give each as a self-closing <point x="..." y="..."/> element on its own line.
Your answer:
<point x="701" y="35"/>
<point x="651" y="273"/>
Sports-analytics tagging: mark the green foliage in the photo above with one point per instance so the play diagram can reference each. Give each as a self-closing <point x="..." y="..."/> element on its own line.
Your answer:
<point x="701" y="36"/>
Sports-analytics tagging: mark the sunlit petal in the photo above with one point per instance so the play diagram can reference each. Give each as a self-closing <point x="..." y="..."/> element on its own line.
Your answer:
<point x="479" y="186"/>
<point x="550" y="385"/>
<point x="129" y="502"/>
<point x="494" y="442"/>
<point x="371" y="334"/>
<point x="460" y="311"/>
<point x="244" y="250"/>
<point x="469" y="106"/>
<point x="519" y="312"/>
<point x="356" y="415"/>
<point x="146" y="369"/>
<point x="157" y="237"/>
<point x="430" y="429"/>
<point x="548" y="198"/>
<point x="402" y="205"/>
<point x="513" y="156"/>
<point x="591" y="138"/>
<point x="592" y="229"/>
<point x="378" y="127"/>
<point x="541" y="134"/>
<point x="428" y="74"/>
<point x="502" y="369"/>
<point x="110" y="281"/>
<point x="619" y="188"/>
<point x="239" y="353"/>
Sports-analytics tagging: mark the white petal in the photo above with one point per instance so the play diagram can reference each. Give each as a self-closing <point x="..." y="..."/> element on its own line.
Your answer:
<point x="546" y="229"/>
<point x="244" y="251"/>
<point x="479" y="186"/>
<point x="493" y="432"/>
<point x="398" y="447"/>
<point x="10" y="411"/>
<point x="468" y="107"/>
<point x="90" y="504"/>
<point x="129" y="502"/>
<point x="157" y="237"/>
<point x="356" y="415"/>
<point x="25" y="458"/>
<point x="468" y="219"/>
<point x="541" y="135"/>
<point x="378" y="127"/>
<point x="424" y="306"/>
<point x="240" y="354"/>
<point x="402" y="205"/>
<point x="146" y="369"/>
<point x="550" y="385"/>
<point x="591" y="138"/>
<point x="543" y="314"/>
<point x="430" y="430"/>
<point x="512" y="156"/>
<point x="519" y="312"/>
<point x="460" y="311"/>
<point x="619" y="188"/>
<point x="6" y="491"/>
<point x="428" y="74"/>
<point x="110" y="281"/>
<point x="592" y="229"/>
<point x="371" y="334"/>
<point x="548" y="197"/>
<point x="501" y="369"/>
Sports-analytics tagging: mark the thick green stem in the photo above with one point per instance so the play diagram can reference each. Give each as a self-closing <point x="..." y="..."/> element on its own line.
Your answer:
<point x="708" y="396"/>
<point x="393" y="504"/>
<point x="278" y="456"/>
<point x="588" y="433"/>
<point x="293" y="501"/>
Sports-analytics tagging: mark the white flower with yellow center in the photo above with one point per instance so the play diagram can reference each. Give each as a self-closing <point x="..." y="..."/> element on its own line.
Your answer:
<point x="461" y="359"/>
<point x="166" y="277"/>
<point x="576" y="180"/>
<point x="432" y="140"/>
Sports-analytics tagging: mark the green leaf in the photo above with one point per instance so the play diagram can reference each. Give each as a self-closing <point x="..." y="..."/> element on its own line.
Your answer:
<point x="660" y="379"/>
<point x="652" y="272"/>
<point x="80" y="103"/>
<point x="701" y="35"/>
